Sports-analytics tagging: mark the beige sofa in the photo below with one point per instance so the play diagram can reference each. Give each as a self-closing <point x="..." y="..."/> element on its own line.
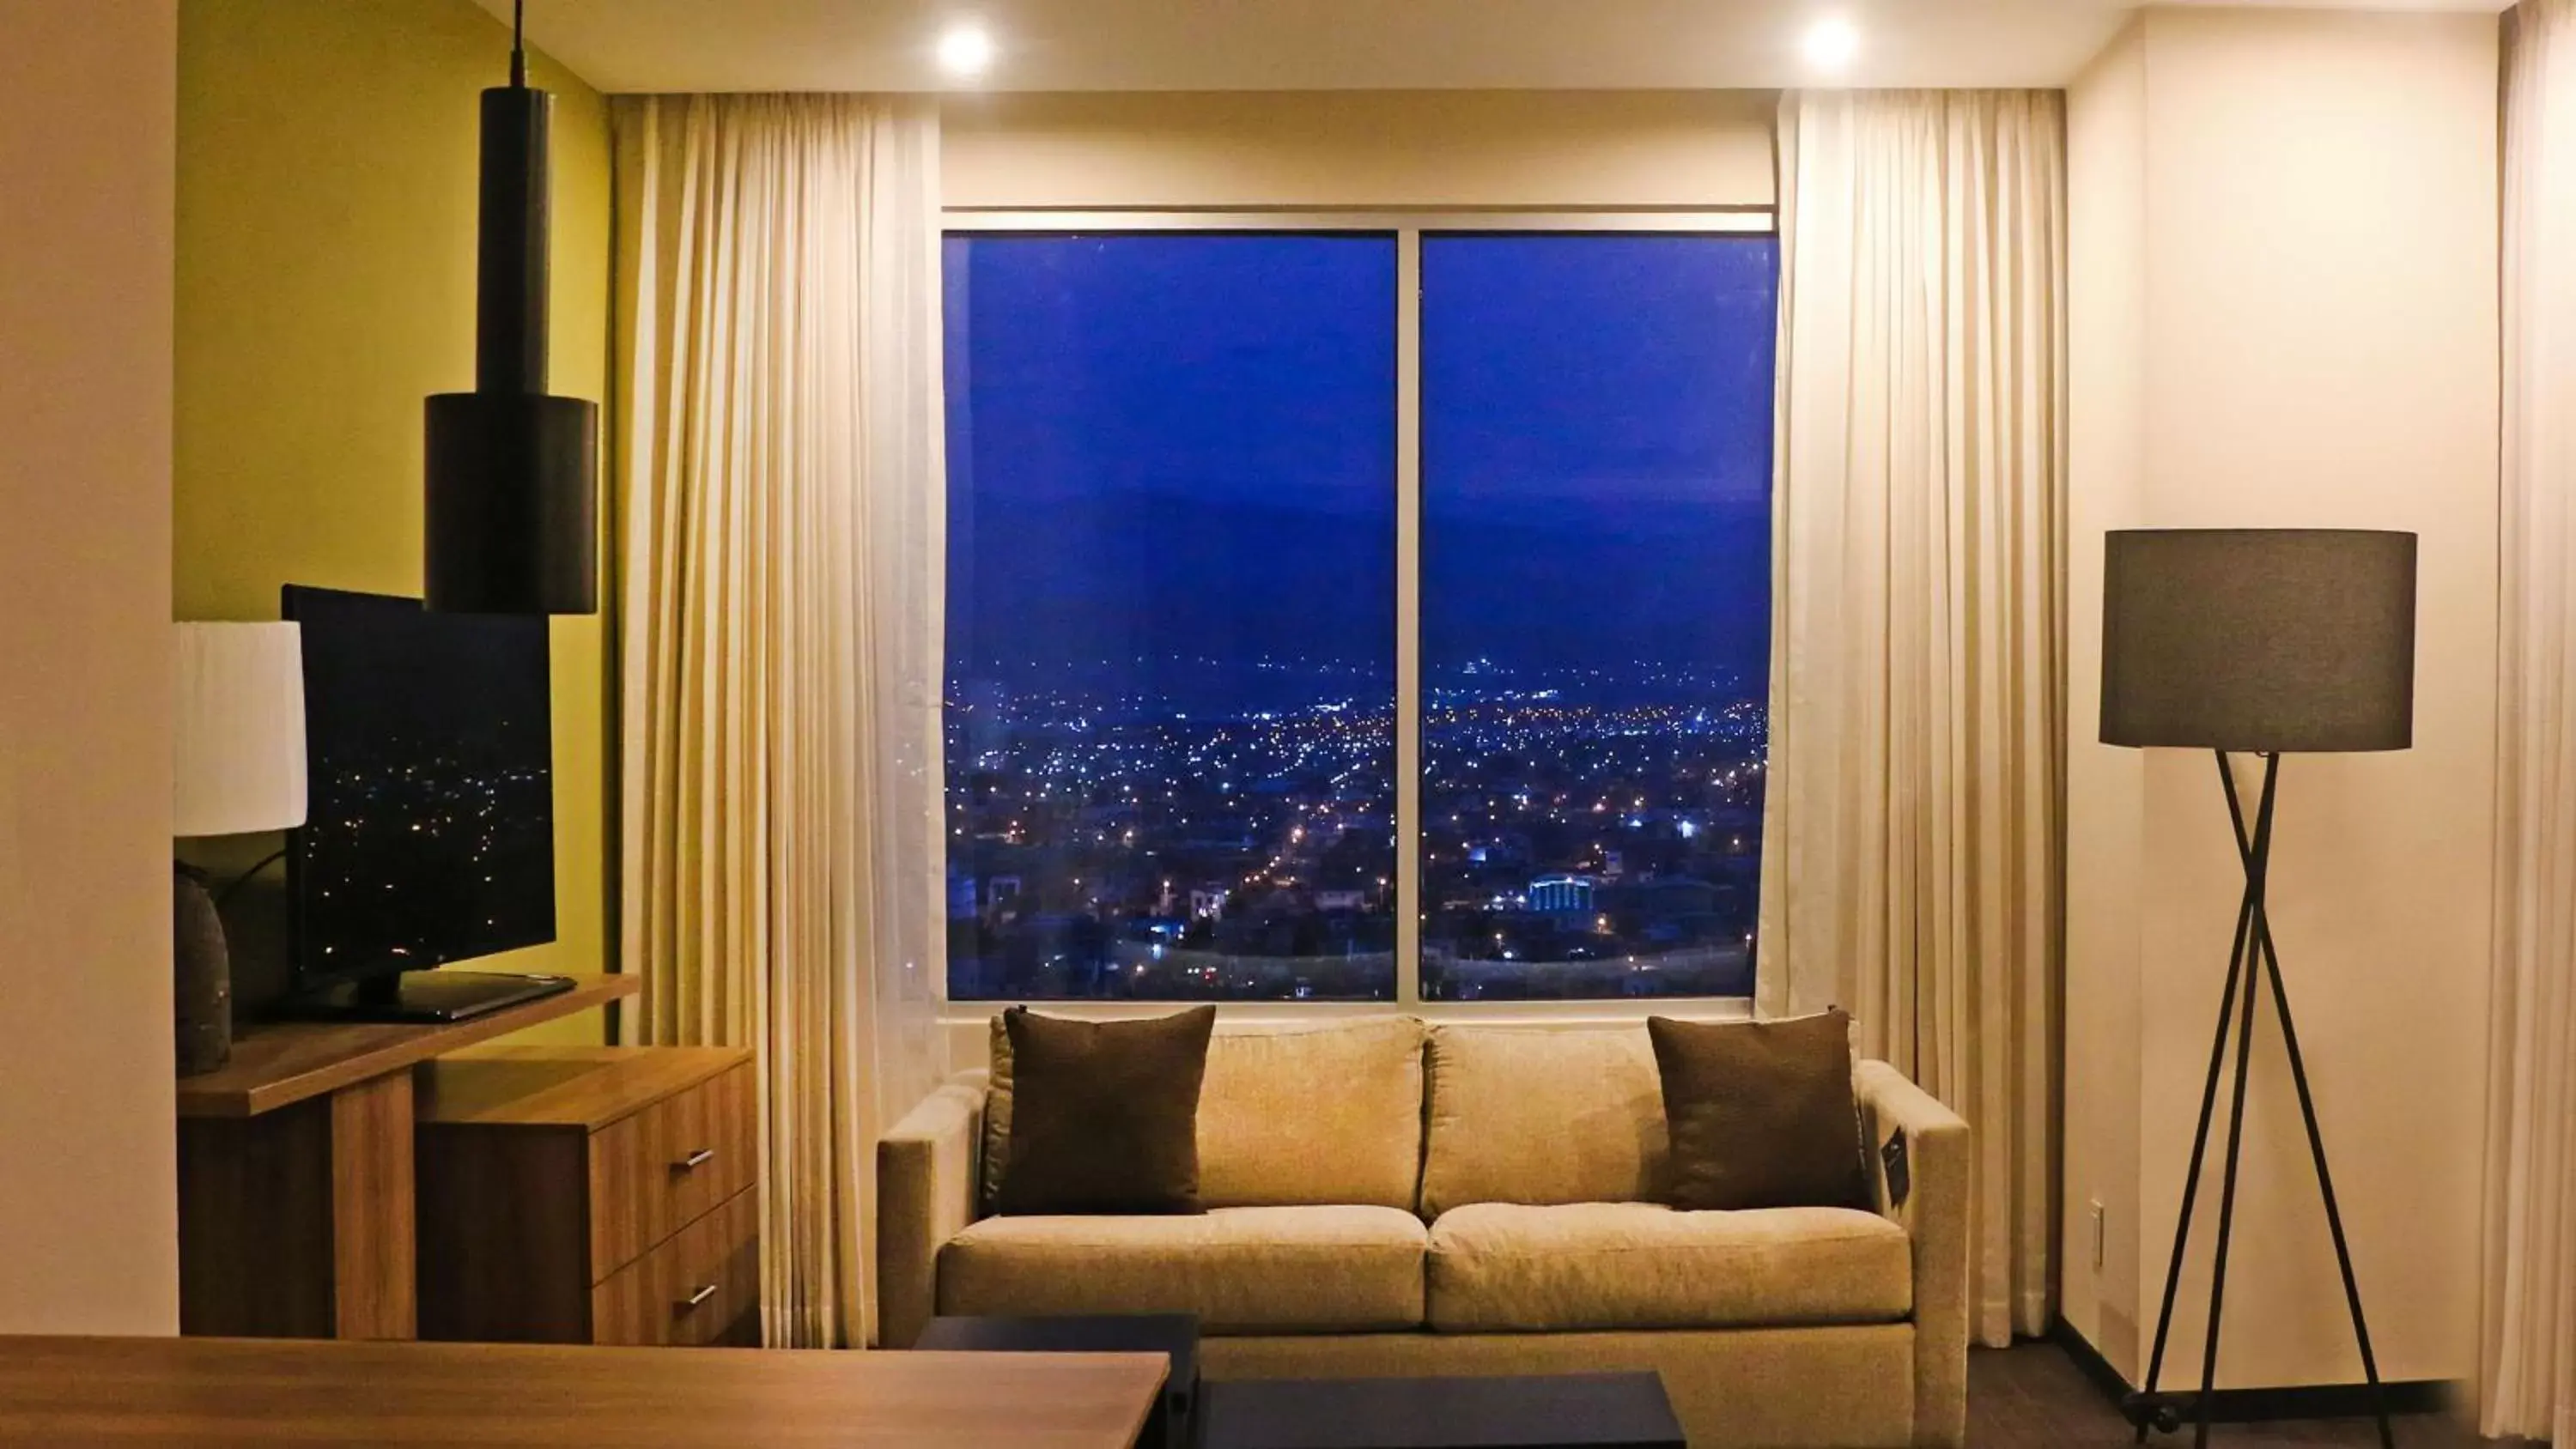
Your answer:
<point x="1390" y="1198"/>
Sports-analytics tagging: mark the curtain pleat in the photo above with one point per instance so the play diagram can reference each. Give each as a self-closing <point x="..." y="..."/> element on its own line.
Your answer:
<point x="1912" y="861"/>
<point x="780" y="484"/>
<point x="2527" y="1357"/>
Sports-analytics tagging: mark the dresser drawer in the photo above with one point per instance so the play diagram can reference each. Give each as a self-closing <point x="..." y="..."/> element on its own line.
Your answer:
<point x="668" y="1165"/>
<point x="546" y="1172"/>
<point x="700" y="1287"/>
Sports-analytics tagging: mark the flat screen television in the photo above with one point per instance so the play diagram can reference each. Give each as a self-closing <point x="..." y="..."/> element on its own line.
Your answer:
<point x="430" y="834"/>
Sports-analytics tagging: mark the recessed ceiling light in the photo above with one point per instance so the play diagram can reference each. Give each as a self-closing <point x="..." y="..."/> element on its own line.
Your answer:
<point x="965" y="51"/>
<point x="1832" y="44"/>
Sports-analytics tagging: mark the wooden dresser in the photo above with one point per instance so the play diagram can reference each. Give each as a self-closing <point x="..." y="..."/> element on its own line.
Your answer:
<point x="295" y="1171"/>
<point x="589" y="1195"/>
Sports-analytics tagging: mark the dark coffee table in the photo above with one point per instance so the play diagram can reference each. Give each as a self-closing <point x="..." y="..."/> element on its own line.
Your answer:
<point x="1173" y="1334"/>
<point x="1552" y="1411"/>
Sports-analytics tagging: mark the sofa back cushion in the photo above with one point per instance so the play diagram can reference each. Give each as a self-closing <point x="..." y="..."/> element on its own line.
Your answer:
<point x="1332" y="1114"/>
<point x="1532" y="1115"/>
<point x="1289" y="1116"/>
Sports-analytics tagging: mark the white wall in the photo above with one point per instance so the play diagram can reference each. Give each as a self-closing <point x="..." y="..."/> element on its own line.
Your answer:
<point x="2106" y="280"/>
<point x="88" y="1203"/>
<point x="1387" y="149"/>
<point x="2285" y="310"/>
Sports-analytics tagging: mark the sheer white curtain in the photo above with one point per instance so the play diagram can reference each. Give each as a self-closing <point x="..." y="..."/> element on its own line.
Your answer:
<point x="780" y="483"/>
<point x="2528" y="1347"/>
<point x="1912" y="857"/>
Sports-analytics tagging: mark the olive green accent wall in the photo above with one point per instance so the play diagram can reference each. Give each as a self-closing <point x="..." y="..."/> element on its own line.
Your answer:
<point x="326" y="228"/>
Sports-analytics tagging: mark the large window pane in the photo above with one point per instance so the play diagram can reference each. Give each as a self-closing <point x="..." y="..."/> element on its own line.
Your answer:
<point x="1171" y="616"/>
<point x="1596" y="419"/>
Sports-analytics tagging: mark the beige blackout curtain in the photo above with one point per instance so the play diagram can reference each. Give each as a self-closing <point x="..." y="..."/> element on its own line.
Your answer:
<point x="2527" y="1359"/>
<point x="779" y="479"/>
<point x="1912" y="859"/>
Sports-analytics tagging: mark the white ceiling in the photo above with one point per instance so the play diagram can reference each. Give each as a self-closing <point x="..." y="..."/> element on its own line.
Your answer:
<point x="1096" y="45"/>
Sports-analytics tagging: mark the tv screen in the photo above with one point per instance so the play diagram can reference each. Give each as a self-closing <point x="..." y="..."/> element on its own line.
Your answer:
<point x="430" y="742"/>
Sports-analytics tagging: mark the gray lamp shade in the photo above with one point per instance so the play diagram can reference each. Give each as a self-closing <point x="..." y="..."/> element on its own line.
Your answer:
<point x="2281" y="639"/>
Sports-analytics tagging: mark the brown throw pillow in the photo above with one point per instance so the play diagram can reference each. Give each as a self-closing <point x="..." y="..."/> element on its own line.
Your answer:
<point x="1761" y="1113"/>
<point x="1104" y="1114"/>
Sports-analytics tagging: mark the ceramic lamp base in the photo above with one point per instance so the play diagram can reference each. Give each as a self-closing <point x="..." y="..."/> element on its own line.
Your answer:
<point x="202" y="978"/>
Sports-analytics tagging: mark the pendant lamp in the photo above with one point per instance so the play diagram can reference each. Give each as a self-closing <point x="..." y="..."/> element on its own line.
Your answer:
<point x="513" y="496"/>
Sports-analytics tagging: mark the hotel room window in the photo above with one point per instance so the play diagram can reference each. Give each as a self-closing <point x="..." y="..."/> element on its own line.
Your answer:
<point x="1174" y="558"/>
<point x="1596" y="612"/>
<point x="1171" y="616"/>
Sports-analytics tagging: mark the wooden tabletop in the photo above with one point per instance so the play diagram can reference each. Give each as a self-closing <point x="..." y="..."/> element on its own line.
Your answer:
<point x="278" y="1063"/>
<point x="215" y="1393"/>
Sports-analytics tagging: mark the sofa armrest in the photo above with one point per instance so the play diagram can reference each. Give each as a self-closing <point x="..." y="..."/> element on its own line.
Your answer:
<point x="926" y="1194"/>
<point x="1935" y="1217"/>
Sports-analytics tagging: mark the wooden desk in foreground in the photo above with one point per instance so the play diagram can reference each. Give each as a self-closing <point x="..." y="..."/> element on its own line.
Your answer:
<point x="208" y="1393"/>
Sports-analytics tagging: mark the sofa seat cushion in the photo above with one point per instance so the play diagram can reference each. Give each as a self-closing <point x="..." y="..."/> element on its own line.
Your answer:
<point x="1241" y="1270"/>
<point x="1504" y="1268"/>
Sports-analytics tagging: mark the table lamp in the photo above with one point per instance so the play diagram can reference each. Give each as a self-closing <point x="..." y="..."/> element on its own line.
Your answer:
<point x="2270" y="641"/>
<point x="238" y="758"/>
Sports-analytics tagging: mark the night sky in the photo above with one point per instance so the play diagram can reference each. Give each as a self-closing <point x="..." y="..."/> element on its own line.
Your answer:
<point x="1596" y="478"/>
<point x="1167" y="442"/>
<point x="1172" y="443"/>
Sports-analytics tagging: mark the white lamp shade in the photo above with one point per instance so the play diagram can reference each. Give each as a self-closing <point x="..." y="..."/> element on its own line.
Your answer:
<point x="239" y="729"/>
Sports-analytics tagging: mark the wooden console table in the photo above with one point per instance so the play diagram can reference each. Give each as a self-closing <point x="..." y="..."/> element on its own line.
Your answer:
<point x="295" y="1172"/>
<point x="199" y="1393"/>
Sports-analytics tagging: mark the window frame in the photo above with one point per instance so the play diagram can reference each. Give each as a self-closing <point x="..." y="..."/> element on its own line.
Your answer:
<point x="1407" y="227"/>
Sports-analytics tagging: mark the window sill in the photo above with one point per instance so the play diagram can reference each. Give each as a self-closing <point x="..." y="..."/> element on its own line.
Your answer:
<point x="975" y="1014"/>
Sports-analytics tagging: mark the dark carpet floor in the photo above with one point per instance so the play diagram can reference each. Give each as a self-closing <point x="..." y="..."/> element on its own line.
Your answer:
<point x="2033" y="1397"/>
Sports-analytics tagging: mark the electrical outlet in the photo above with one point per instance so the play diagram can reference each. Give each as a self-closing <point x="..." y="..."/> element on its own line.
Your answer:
<point x="2095" y="1216"/>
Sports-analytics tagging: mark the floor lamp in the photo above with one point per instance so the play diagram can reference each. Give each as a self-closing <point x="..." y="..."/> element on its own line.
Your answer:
<point x="2271" y="642"/>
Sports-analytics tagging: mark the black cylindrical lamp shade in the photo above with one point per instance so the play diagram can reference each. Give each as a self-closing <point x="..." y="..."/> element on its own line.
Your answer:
<point x="2272" y="639"/>
<point x="512" y="520"/>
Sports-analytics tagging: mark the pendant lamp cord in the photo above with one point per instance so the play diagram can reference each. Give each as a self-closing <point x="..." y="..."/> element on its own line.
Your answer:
<point x="518" y="45"/>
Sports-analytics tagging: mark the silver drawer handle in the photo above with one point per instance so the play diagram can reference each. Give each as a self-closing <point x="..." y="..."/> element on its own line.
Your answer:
<point x="695" y="1160"/>
<point x="693" y="1300"/>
